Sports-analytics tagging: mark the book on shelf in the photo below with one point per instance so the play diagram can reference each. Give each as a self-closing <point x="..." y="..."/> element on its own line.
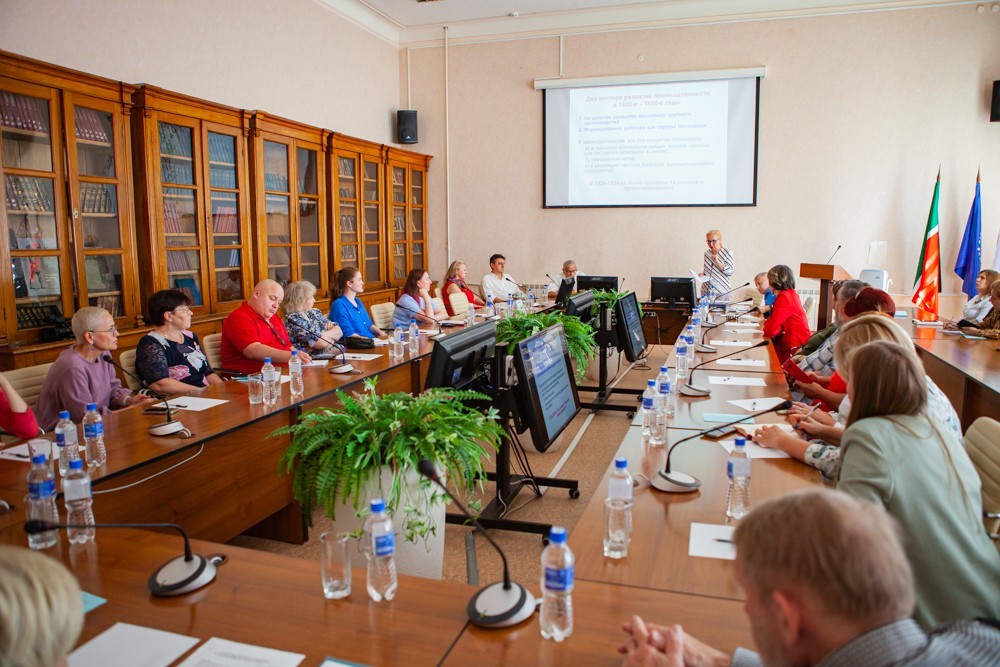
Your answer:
<point x="89" y="125"/>
<point x="346" y="167"/>
<point x="224" y="220"/>
<point x="177" y="261"/>
<point x="96" y="198"/>
<point x="171" y="218"/>
<point x="221" y="148"/>
<point x="175" y="140"/>
<point x="25" y="193"/>
<point x="111" y="303"/>
<point x="23" y="112"/>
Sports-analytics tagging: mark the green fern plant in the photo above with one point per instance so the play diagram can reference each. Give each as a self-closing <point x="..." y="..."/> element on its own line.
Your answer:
<point x="610" y="298"/>
<point x="335" y="454"/>
<point x="579" y="336"/>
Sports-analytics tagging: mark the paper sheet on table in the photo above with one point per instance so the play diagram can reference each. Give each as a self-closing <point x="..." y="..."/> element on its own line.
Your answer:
<point x="193" y="403"/>
<point x="741" y="362"/>
<point x="23" y="453"/>
<point x="743" y="325"/>
<point x="357" y="356"/>
<point x="755" y="404"/>
<point x="723" y="418"/>
<point x="224" y="653"/>
<point x="127" y="645"/>
<point x="698" y="279"/>
<point x="734" y="381"/>
<point x="380" y="342"/>
<point x="731" y="343"/>
<point x="755" y="451"/>
<point x="316" y="363"/>
<point x="712" y="541"/>
<point x="741" y="332"/>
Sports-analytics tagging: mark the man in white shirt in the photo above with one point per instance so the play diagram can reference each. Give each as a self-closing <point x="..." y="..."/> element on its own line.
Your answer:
<point x="498" y="283"/>
<point x="568" y="271"/>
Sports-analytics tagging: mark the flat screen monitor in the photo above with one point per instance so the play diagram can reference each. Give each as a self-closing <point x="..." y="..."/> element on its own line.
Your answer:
<point x="581" y="305"/>
<point x="565" y="289"/>
<point x="609" y="283"/>
<point x="545" y="390"/>
<point x="628" y="327"/>
<point x="676" y="292"/>
<point x="460" y="357"/>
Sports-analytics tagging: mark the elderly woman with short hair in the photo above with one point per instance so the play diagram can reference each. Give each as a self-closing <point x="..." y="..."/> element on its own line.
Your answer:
<point x="80" y="375"/>
<point x="308" y="327"/>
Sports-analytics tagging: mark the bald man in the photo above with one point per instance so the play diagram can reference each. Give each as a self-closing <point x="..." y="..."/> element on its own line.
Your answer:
<point x="254" y="331"/>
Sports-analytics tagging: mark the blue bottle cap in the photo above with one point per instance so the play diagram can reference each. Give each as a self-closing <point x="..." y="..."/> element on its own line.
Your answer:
<point x="741" y="442"/>
<point x="376" y="505"/>
<point x="664" y="369"/>
<point x="76" y="464"/>
<point x="267" y="360"/>
<point x="38" y="458"/>
<point x="650" y="383"/>
<point x="91" y="406"/>
<point x="64" y="414"/>
<point x="621" y="462"/>
<point x="557" y="535"/>
<point x="295" y="353"/>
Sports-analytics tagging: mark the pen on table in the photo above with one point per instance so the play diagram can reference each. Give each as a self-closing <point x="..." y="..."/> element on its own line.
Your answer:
<point x="723" y="540"/>
<point x="805" y="417"/>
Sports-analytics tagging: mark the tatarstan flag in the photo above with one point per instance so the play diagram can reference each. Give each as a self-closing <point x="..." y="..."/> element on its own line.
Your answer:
<point x="927" y="284"/>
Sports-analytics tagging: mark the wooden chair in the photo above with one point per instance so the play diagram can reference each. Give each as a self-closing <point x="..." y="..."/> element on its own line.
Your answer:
<point x="127" y="361"/>
<point x="382" y="315"/>
<point x="982" y="441"/>
<point x="459" y="303"/>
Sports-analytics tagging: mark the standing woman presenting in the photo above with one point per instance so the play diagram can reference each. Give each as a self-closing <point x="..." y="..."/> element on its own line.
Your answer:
<point x="787" y="327"/>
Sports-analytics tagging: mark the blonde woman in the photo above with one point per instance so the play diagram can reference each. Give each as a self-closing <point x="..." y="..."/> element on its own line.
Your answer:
<point x="895" y="455"/>
<point x="308" y="327"/>
<point x="990" y="325"/>
<point x="976" y="309"/>
<point x="454" y="282"/>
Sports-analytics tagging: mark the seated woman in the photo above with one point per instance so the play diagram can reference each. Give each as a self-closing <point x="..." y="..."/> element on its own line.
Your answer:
<point x="897" y="456"/>
<point x="990" y="325"/>
<point x="347" y="311"/>
<point x="788" y="326"/>
<point x="976" y="308"/>
<point x="415" y="301"/>
<point x="454" y="282"/>
<point x="169" y="359"/>
<point x="16" y="417"/>
<point x="826" y="429"/>
<point x="308" y="328"/>
<point x="80" y="375"/>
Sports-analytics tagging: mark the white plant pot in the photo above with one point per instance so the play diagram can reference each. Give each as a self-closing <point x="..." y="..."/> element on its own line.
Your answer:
<point x="421" y="558"/>
<point x="594" y="367"/>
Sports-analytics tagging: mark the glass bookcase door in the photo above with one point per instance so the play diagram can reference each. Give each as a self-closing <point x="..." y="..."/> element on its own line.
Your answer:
<point x="226" y="237"/>
<point x="400" y="243"/>
<point x="349" y="239"/>
<point x="372" y="222"/>
<point x="417" y="218"/>
<point x="180" y="210"/>
<point x="278" y="213"/>
<point x="307" y="164"/>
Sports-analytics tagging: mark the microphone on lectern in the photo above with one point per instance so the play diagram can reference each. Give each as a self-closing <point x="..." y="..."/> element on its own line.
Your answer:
<point x="689" y="389"/>
<point x="171" y="426"/>
<point x="834" y="254"/>
<point x="175" y="577"/>
<point x="498" y="605"/>
<point x="673" y="481"/>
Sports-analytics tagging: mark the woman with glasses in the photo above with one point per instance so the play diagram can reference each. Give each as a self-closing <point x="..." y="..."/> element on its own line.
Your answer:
<point x="80" y="375"/>
<point x="169" y="359"/>
<point x="308" y="327"/>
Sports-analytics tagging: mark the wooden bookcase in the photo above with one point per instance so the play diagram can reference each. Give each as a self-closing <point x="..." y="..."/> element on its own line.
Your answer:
<point x="67" y="214"/>
<point x="406" y="193"/>
<point x="288" y="173"/>
<point x="192" y="198"/>
<point x="357" y="174"/>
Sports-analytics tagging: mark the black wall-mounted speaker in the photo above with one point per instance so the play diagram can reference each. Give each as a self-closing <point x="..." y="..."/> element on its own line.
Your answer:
<point x="406" y="126"/>
<point x="995" y="108"/>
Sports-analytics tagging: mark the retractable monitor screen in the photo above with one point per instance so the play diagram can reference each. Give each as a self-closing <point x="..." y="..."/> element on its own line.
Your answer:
<point x="609" y="283"/>
<point x="458" y="358"/>
<point x="680" y="143"/>
<point x="628" y="327"/>
<point x="545" y="391"/>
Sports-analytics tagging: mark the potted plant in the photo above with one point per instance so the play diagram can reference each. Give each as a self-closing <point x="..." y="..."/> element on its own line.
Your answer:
<point x="340" y="458"/>
<point x="579" y="335"/>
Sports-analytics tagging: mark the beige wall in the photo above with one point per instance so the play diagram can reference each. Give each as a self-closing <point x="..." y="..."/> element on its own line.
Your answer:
<point x="291" y="58"/>
<point x="857" y="111"/>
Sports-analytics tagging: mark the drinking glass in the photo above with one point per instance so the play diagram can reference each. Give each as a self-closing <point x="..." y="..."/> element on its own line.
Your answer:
<point x="255" y="383"/>
<point x="335" y="559"/>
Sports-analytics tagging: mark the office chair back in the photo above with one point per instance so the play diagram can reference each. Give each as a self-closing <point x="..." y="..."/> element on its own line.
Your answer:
<point x="982" y="442"/>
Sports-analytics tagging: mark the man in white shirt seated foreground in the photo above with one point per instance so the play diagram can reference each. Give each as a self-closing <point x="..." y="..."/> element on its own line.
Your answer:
<point x="497" y="283"/>
<point x="568" y="271"/>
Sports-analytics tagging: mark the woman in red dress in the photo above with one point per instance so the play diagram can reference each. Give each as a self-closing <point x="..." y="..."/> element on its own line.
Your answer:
<point x="454" y="282"/>
<point x="788" y="327"/>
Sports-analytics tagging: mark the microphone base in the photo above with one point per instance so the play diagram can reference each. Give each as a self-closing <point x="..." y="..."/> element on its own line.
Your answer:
<point x="494" y="607"/>
<point x="342" y="368"/>
<point x="694" y="390"/>
<point x="674" y="482"/>
<point x="701" y="347"/>
<point x="163" y="429"/>
<point x="178" y="576"/>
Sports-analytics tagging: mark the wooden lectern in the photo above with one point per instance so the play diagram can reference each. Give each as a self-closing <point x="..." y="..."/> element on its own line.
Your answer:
<point x="825" y="274"/>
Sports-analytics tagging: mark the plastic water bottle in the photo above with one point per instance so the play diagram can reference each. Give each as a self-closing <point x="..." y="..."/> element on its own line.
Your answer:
<point x="664" y="386"/>
<point x="618" y="511"/>
<point x="689" y="339"/>
<point x="649" y="401"/>
<point x="414" y="336"/>
<point x="41" y="501"/>
<point x="531" y="297"/>
<point x="79" y="503"/>
<point x="490" y="310"/>
<point x="682" y="361"/>
<point x="703" y="308"/>
<point x="664" y="408"/>
<point x="93" y="436"/>
<point x="397" y="341"/>
<point x="381" y="544"/>
<point x="510" y="304"/>
<point x="68" y="442"/>
<point x="272" y="382"/>
<point x="738" y="467"/>
<point x="295" y="370"/>
<point x="696" y="325"/>
<point x="556" y="618"/>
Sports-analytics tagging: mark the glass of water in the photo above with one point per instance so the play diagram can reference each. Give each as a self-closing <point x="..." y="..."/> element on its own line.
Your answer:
<point x="335" y="559"/>
<point x="255" y="383"/>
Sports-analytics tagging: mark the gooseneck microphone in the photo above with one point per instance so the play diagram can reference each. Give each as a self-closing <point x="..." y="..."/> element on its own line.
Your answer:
<point x="673" y="481"/>
<point x="499" y="605"/>
<point x="420" y="312"/>
<point x="171" y="426"/>
<point x="511" y="280"/>
<point x="175" y="577"/>
<point x="833" y="255"/>
<point x="716" y="300"/>
<point x="700" y="345"/>
<point x="689" y="389"/>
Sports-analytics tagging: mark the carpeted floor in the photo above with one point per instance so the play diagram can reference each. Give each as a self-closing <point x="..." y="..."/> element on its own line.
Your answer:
<point x="598" y="437"/>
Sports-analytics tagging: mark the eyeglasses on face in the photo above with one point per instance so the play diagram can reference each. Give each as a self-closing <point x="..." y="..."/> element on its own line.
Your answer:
<point x="113" y="330"/>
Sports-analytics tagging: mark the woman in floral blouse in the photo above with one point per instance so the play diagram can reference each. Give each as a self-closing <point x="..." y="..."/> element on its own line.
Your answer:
<point x="308" y="327"/>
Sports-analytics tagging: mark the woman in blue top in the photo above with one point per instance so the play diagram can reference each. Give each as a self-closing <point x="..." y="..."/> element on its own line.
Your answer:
<point x="415" y="301"/>
<point x="347" y="311"/>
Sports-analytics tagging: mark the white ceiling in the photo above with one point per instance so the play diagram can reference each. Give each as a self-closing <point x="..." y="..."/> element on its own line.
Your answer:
<point x="413" y="23"/>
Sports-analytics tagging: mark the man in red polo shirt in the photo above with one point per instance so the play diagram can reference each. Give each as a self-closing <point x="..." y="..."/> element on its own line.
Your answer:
<point x="254" y="331"/>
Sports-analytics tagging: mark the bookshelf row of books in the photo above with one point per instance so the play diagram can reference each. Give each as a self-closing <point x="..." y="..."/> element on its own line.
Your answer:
<point x="399" y="273"/>
<point x="176" y="172"/>
<point x="399" y="249"/>
<point x="23" y="112"/>
<point x="347" y="193"/>
<point x="111" y="303"/>
<point x="172" y="219"/>
<point x="346" y="167"/>
<point x="276" y="182"/>
<point x="348" y="253"/>
<point x="177" y="262"/>
<point x="225" y="220"/>
<point x="27" y="194"/>
<point x="221" y="148"/>
<point x="348" y="223"/>
<point x="90" y="125"/>
<point x="399" y="177"/>
<point x="175" y="140"/>
<point x="222" y="177"/>
<point x="97" y="198"/>
<point x="34" y="316"/>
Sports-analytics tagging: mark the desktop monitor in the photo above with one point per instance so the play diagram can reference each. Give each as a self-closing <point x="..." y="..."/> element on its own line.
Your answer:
<point x="676" y="292"/>
<point x="609" y="283"/>
<point x="565" y="289"/>
<point x="459" y="358"/>
<point x="628" y="327"/>
<point x="581" y="305"/>
<point x="545" y="391"/>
